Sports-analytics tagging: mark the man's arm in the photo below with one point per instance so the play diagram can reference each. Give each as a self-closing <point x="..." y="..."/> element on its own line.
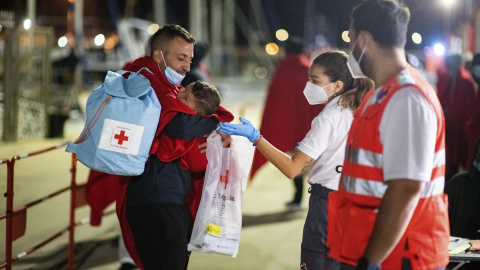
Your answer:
<point x="188" y="126"/>
<point x="396" y="210"/>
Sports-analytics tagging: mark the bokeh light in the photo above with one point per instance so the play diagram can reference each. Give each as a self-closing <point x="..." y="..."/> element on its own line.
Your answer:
<point x="152" y="28"/>
<point x="99" y="40"/>
<point x="448" y="2"/>
<point x="281" y="34"/>
<point x="414" y="61"/>
<point x="62" y="42"/>
<point x="416" y="38"/>
<point x="27" y="24"/>
<point x="427" y="51"/>
<point x="345" y="36"/>
<point x="261" y="72"/>
<point x="439" y="49"/>
<point x="271" y="48"/>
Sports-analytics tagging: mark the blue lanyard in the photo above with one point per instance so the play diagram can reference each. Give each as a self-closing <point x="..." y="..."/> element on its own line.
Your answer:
<point x="382" y="93"/>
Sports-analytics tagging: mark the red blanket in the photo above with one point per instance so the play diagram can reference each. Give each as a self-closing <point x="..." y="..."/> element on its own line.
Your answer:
<point x="167" y="149"/>
<point x="472" y="129"/>
<point x="287" y="116"/>
<point x="458" y="108"/>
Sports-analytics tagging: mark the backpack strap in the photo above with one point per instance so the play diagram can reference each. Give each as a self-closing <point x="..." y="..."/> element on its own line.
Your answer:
<point x="92" y="122"/>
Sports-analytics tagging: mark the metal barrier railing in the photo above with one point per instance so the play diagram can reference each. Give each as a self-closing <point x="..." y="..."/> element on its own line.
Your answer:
<point x="16" y="218"/>
<point x="4" y="216"/>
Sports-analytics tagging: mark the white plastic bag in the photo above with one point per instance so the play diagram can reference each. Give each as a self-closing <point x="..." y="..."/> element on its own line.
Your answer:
<point x="219" y="218"/>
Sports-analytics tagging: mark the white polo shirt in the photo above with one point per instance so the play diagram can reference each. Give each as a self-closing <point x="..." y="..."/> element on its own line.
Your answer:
<point x="325" y="143"/>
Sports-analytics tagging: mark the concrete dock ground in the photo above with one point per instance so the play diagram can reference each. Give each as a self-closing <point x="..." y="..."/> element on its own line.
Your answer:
<point x="270" y="237"/>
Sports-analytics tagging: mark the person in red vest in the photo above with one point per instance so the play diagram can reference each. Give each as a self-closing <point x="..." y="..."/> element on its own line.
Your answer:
<point x="293" y="122"/>
<point x="322" y="150"/>
<point x="390" y="211"/>
<point x="458" y="95"/>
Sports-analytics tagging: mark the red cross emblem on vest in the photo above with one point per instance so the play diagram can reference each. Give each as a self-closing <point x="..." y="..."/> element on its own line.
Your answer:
<point x="121" y="137"/>
<point x="224" y="179"/>
<point x="303" y="266"/>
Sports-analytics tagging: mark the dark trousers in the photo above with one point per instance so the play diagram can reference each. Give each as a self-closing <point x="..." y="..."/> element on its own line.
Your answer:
<point x="161" y="233"/>
<point x="314" y="253"/>
<point x="298" y="184"/>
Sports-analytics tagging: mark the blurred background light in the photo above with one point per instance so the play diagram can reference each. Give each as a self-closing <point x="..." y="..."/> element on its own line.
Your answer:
<point x="99" y="40"/>
<point x="345" y="36"/>
<point x="62" y="42"/>
<point x="439" y="49"/>
<point x="416" y="38"/>
<point x="27" y="24"/>
<point x="153" y="28"/>
<point x="261" y="72"/>
<point x="281" y="34"/>
<point x="427" y="51"/>
<point x="413" y="60"/>
<point x="110" y="43"/>
<point x="448" y="2"/>
<point x="271" y="48"/>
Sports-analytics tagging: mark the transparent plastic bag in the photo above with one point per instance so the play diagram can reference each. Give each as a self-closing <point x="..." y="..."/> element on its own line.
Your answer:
<point x="218" y="222"/>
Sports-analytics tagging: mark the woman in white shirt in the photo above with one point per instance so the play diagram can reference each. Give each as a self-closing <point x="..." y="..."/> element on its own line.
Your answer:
<point x="322" y="151"/>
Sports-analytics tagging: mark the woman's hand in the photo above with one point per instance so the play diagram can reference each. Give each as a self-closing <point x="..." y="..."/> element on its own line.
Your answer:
<point x="246" y="129"/>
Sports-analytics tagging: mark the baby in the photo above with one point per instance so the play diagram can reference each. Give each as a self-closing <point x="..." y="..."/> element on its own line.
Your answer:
<point x="201" y="97"/>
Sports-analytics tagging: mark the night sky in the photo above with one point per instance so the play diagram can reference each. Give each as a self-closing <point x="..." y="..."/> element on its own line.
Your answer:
<point x="427" y="16"/>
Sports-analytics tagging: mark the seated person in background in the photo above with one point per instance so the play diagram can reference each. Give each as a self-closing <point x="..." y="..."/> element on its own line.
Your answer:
<point x="463" y="192"/>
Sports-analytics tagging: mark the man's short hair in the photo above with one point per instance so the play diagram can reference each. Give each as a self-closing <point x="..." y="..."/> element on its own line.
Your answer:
<point x="162" y="38"/>
<point x="386" y="20"/>
<point x="208" y="98"/>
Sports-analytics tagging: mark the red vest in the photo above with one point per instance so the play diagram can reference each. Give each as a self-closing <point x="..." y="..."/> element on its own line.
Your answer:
<point x="353" y="209"/>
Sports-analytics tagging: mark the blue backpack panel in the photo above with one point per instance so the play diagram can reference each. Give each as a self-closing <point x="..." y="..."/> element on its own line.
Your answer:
<point x="122" y="117"/>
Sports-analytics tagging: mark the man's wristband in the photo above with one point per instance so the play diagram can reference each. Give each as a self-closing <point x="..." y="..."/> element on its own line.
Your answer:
<point x="257" y="140"/>
<point x="363" y="264"/>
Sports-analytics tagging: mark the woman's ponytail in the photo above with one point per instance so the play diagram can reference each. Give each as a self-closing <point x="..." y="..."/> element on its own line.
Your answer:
<point x="352" y="98"/>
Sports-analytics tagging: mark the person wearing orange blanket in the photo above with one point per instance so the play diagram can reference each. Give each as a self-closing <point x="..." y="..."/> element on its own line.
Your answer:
<point x="390" y="211"/>
<point x="458" y="96"/>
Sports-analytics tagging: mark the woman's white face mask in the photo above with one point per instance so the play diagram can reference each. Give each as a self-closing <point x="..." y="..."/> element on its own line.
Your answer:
<point x="316" y="94"/>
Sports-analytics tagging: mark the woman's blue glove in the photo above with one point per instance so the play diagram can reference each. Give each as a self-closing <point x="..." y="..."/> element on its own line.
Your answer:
<point x="246" y="129"/>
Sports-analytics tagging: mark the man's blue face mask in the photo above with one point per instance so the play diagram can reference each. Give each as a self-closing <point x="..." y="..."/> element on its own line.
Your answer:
<point x="172" y="76"/>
